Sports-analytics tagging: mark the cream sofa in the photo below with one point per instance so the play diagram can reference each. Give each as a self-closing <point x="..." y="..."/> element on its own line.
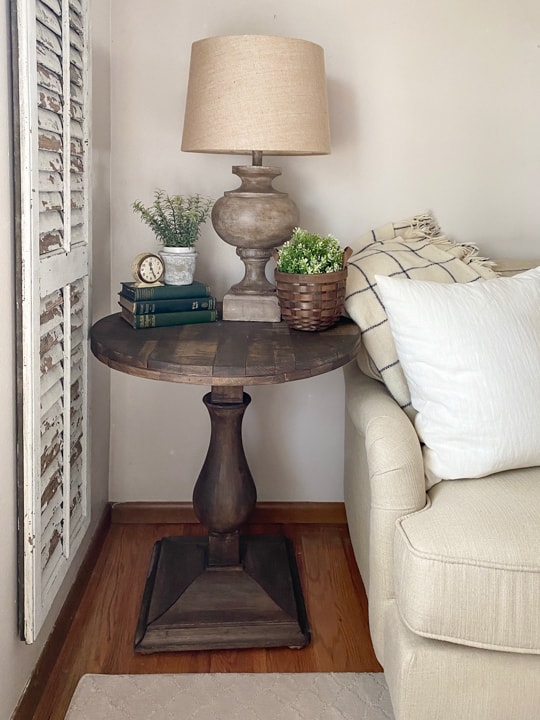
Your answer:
<point x="452" y="574"/>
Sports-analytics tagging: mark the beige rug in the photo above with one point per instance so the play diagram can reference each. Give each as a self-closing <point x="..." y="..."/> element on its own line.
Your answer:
<point x="232" y="696"/>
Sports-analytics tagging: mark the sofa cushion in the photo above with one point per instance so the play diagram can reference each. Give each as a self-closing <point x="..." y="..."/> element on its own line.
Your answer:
<point x="471" y="356"/>
<point x="467" y="566"/>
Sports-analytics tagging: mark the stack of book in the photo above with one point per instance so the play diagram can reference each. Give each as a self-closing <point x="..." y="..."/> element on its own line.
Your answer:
<point x="160" y="305"/>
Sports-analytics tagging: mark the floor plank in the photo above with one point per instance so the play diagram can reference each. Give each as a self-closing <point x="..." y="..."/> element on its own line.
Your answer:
<point x="101" y="637"/>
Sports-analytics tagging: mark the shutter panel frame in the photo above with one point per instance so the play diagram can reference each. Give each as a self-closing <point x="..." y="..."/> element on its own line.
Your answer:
<point x="52" y="182"/>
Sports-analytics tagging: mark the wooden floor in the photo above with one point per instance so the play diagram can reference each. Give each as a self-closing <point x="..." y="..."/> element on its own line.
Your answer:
<point x="101" y="637"/>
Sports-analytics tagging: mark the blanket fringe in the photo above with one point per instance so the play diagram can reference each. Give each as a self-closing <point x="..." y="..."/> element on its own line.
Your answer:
<point x="466" y="252"/>
<point x="423" y="226"/>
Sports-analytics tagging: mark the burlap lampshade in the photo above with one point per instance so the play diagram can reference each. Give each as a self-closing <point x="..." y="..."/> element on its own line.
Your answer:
<point x="256" y="92"/>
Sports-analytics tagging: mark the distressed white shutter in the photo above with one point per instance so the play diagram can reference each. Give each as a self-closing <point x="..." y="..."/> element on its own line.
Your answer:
<point x="53" y="130"/>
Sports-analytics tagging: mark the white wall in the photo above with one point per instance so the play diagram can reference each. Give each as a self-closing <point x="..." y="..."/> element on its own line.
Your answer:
<point x="434" y="105"/>
<point x="17" y="659"/>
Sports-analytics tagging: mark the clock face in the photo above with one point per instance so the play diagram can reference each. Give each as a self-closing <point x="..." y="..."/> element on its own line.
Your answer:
<point x="148" y="268"/>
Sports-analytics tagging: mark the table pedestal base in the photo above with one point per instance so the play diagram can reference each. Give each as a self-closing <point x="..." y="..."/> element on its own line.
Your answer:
<point x="188" y="605"/>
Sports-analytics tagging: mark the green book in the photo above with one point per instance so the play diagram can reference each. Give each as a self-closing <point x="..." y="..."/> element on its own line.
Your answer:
<point x="186" y="317"/>
<point x="149" y="307"/>
<point x="131" y="291"/>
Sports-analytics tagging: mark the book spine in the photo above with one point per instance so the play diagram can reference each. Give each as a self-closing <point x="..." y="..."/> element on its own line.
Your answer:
<point x="162" y="292"/>
<point x="166" y="319"/>
<point x="143" y="307"/>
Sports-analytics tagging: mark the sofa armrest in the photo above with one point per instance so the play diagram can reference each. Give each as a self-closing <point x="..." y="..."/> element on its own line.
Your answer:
<point x="394" y="457"/>
<point x="510" y="266"/>
<point x="384" y="480"/>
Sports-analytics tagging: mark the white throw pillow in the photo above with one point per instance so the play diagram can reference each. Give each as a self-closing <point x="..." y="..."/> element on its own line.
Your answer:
<point x="471" y="357"/>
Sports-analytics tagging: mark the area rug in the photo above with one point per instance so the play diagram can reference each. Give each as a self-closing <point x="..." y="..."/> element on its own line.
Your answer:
<point x="232" y="696"/>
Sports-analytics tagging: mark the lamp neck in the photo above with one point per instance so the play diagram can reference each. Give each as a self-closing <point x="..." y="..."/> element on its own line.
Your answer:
<point x="256" y="157"/>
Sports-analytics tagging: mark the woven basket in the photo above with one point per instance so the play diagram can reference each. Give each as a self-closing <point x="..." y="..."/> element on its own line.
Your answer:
<point x="312" y="302"/>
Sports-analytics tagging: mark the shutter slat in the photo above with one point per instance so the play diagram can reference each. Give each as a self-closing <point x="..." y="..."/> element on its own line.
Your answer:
<point x="47" y="58"/>
<point x="76" y="164"/>
<point x="48" y="39"/>
<point x="75" y="19"/>
<point x="51" y="201"/>
<point x="77" y="416"/>
<point x="76" y="110"/>
<point x="49" y="100"/>
<point x="77" y="217"/>
<point x="52" y="357"/>
<point x="48" y="17"/>
<point x="52" y="383"/>
<point x="76" y="59"/>
<point x="75" y="75"/>
<point x="77" y="200"/>
<point x="52" y="445"/>
<point x="76" y="40"/>
<point x="54" y="5"/>
<point x="49" y="339"/>
<point x="51" y="313"/>
<point x="75" y="93"/>
<point x="78" y="235"/>
<point x="51" y="220"/>
<point x="50" y="121"/>
<point x="77" y="6"/>
<point x="49" y="181"/>
<point x="50" y="161"/>
<point x="77" y="147"/>
<point x="51" y="410"/>
<point x="48" y="401"/>
<point x="51" y="544"/>
<point x="49" y="141"/>
<point x="76" y="130"/>
<point x="52" y="569"/>
<point x="48" y="80"/>
<point x="50" y="482"/>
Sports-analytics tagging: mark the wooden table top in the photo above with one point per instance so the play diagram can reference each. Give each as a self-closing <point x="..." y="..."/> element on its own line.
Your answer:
<point x="224" y="353"/>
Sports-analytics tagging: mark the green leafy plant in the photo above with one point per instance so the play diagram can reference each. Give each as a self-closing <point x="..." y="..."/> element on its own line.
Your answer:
<point x="309" y="253"/>
<point x="175" y="219"/>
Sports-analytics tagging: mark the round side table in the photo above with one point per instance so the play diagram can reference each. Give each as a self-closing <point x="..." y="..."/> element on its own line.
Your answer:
<point x="227" y="590"/>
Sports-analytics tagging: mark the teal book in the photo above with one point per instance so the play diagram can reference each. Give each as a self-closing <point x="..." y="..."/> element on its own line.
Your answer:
<point x="186" y="317"/>
<point x="149" y="307"/>
<point x="131" y="291"/>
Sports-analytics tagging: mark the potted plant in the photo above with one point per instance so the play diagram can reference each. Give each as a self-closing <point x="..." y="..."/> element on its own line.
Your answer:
<point x="176" y="222"/>
<point x="310" y="278"/>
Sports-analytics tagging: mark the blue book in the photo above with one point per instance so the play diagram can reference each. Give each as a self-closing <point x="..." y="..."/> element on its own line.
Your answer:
<point x="150" y="307"/>
<point x="132" y="291"/>
<point x="187" y="317"/>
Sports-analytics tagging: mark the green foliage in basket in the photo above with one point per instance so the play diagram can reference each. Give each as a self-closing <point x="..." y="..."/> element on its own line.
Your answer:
<point x="309" y="253"/>
<point x="175" y="219"/>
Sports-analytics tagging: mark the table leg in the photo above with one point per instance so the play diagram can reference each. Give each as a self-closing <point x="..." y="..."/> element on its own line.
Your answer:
<point x="225" y="494"/>
<point x="227" y="590"/>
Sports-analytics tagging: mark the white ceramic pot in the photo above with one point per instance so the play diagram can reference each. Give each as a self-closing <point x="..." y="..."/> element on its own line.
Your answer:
<point x="179" y="265"/>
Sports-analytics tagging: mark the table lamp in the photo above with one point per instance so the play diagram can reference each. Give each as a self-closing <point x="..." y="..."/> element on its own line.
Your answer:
<point x="255" y="95"/>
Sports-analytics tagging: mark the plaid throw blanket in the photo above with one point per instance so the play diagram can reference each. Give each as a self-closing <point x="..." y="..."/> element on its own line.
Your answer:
<point x="414" y="248"/>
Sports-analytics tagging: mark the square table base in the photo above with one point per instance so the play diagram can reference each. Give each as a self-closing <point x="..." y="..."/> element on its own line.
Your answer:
<point x="190" y="606"/>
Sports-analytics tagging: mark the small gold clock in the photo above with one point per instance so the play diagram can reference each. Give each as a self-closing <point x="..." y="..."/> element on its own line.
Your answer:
<point x="148" y="269"/>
